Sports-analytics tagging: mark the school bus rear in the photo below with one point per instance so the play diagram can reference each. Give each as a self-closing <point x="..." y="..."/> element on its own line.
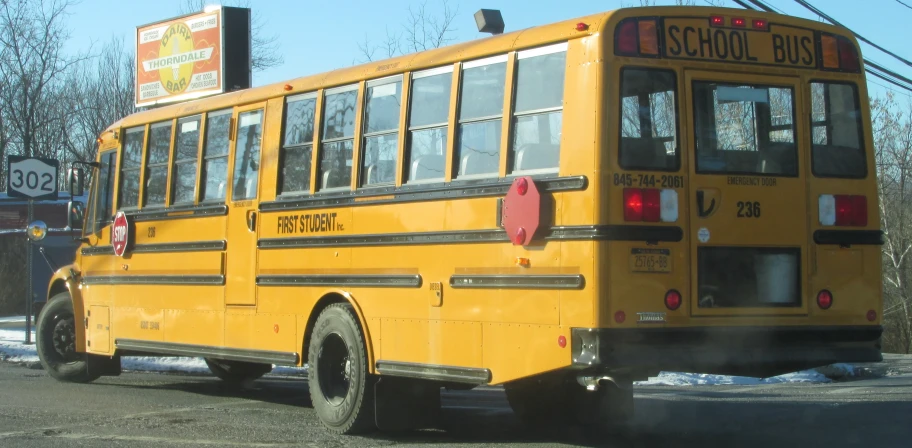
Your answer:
<point x="739" y="162"/>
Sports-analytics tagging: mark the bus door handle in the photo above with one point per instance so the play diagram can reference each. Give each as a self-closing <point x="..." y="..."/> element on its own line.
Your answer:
<point x="251" y="220"/>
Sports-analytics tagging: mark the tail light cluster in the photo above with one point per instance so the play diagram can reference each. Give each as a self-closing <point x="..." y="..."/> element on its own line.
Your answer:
<point x="650" y="205"/>
<point x="637" y="37"/>
<point x="843" y="210"/>
<point x="838" y="53"/>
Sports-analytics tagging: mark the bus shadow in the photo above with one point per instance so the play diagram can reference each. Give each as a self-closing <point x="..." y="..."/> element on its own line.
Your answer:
<point x="673" y="417"/>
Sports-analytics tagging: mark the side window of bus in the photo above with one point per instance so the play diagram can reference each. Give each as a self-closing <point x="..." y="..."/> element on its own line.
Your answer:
<point x="538" y="109"/>
<point x="339" y="109"/>
<point x="429" y="110"/>
<point x="297" y="144"/>
<point x="130" y="167"/>
<point x="247" y="155"/>
<point x="481" y="99"/>
<point x="157" y="164"/>
<point x="380" y="148"/>
<point x="837" y="146"/>
<point x="183" y="185"/>
<point x="649" y="120"/>
<point x="215" y="156"/>
<point x="103" y="198"/>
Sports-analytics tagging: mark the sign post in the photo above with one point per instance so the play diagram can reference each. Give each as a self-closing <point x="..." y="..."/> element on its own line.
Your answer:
<point x="33" y="178"/>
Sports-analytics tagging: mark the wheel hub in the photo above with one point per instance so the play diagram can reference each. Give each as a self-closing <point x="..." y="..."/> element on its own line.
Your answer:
<point x="335" y="371"/>
<point x="64" y="339"/>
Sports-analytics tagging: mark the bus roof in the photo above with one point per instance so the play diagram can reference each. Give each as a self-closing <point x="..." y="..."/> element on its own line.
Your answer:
<point x="478" y="48"/>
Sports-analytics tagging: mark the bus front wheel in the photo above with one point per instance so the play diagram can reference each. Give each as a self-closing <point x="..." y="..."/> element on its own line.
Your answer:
<point x="55" y="342"/>
<point x="341" y="389"/>
<point x="237" y="372"/>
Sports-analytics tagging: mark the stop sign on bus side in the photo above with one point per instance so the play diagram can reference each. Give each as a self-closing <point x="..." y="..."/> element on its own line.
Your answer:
<point x="522" y="211"/>
<point x="120" y="233"/>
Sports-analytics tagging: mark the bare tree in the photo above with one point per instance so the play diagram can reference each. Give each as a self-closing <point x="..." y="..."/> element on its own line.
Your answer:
<point x="422" y="30"/>
<point x="32" y="62"/>
<point x="893" y="153"/>
<point x="264" y="48"/>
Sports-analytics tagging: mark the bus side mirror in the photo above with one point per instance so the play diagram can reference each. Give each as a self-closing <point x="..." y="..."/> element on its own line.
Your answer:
<point x="76" y="182"/>
<point x="75" y="215"/>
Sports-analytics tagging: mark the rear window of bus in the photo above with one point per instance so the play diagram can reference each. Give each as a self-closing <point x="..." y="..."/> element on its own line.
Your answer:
<point x="836" y="143"/>
<point x="649" y="120"/>
<point x="745" y="129"/>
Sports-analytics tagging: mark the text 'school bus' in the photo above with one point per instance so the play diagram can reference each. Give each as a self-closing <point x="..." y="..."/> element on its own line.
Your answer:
<point x="560" y="210"/>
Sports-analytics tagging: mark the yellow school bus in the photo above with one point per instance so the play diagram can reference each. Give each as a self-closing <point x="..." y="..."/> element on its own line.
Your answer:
<point x="561" y="210"/>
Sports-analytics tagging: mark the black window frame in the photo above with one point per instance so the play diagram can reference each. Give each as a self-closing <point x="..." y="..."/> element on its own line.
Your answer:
<point x="138" y="169"/>
<point x="366" y="134"/>
<point x="284" y="147"/>
<point x="514" y="116"/>
<point x="176" y="161"/>
<point x="795" y="127"/>
<point x="678" y="114"/>
<point x="860" y="123"/>
<point x="204" y="174"/>
<point x="410" y="130"/>
<point x="94" y="224"/>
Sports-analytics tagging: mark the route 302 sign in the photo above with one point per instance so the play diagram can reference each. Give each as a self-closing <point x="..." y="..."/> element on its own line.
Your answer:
<point x="31" y="177"/>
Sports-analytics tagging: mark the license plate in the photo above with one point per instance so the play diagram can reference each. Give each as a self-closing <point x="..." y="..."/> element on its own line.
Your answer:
<point x="650" y="260"/>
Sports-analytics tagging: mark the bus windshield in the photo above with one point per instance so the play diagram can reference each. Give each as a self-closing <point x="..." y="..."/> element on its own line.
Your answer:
<point x="746" y="129"/>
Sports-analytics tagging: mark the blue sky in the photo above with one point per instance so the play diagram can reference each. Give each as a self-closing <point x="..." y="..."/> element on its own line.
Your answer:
<point x="324" y="35"/>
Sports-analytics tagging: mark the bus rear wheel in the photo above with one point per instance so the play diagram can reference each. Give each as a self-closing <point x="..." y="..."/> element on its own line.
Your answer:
<point x="55" y="342"/>
<point x="237" y="372"/>
<point x="341" y="389"/>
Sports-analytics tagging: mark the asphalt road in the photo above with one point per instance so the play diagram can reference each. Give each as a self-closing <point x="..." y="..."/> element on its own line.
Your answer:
<point x="165" y="410"/>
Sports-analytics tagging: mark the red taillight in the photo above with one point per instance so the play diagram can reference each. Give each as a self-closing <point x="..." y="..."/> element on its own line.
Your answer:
<point x="824" y="299"/>
<point x="739" y="22"/>
<point x="642" y="204"/>
<point x="759" y="24"/>
<point x="652" y="205"/>
<point x="848" y="55"/>
<point x="672" y="300"/>
<point x="851" y="210"/>
<point x="633" y="204"/>
<point x="717" y="21"/>
<point x="561" y="341"/>
<point x="620" y="317"/>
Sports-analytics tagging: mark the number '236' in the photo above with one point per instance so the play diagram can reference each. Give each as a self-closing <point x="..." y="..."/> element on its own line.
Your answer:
<point x="31" y="180"/>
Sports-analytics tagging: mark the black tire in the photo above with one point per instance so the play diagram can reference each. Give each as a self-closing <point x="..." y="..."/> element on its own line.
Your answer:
<point x="55" y="342"/>
<point x="237" y="372"/>
<point x="341" y="389"/>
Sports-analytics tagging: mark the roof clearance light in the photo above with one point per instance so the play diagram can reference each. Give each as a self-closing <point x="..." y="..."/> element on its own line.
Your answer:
<point x="627" y="38"/>
<point x="649" y="41"/>
<point x="717" y="21"/>
<point x="759" y="24"/>
<point x="830" y="52"/>
<point x="739" y="22"/>
<point x="582" y="26"/>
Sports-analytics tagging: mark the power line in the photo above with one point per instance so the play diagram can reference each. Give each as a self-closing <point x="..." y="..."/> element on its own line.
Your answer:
<point x="904" y="4"/>
<point x="834" y="22"/>
<point x="871" y="67"/>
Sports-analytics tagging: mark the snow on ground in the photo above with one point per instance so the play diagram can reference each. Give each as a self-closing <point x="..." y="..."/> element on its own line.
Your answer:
<point x="13" y="349"/>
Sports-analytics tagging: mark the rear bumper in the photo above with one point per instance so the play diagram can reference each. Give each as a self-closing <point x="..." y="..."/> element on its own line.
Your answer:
<point x="749" y="351"/>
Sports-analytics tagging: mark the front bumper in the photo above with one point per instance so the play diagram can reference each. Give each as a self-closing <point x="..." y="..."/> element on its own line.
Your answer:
<point x="748" y="351"/>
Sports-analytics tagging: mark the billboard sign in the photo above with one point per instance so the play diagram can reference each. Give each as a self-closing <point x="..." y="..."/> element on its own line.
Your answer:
<point x="188" y="57"/>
